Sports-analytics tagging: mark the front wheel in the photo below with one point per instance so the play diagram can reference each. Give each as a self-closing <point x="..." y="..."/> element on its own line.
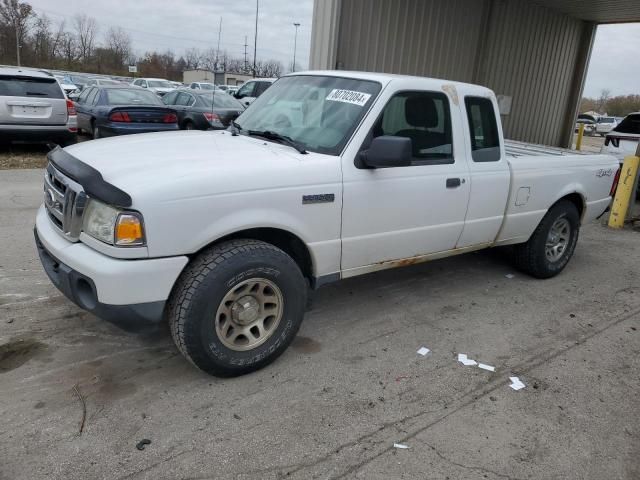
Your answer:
<point x="552" y="244"/>
<point x="237" y="306"/>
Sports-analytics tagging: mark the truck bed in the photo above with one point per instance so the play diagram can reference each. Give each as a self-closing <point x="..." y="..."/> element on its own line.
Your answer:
<point x="516" y="149"/>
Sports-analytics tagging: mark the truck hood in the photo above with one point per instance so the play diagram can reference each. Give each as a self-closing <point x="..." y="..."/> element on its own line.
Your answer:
<point x="178" y="163"/>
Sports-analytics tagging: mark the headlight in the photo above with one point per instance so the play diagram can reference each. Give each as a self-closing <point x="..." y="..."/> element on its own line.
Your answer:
<point x="113" y="226"/>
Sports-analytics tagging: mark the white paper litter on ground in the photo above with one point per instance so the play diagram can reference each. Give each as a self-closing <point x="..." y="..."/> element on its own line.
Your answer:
<point x="510" y="275"/>
<point x="516" y="384"/>
<point x="484" y="366"/>
<point x="423" y="351"/>
<point x="400" y="445"/>
<point x="463" y="359"/>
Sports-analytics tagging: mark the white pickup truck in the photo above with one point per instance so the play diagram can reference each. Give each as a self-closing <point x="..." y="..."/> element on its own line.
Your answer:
<point x="327" y="175"/>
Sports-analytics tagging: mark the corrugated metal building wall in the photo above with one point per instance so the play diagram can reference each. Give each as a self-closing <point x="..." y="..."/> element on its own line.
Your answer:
<point x="535" y="55"/>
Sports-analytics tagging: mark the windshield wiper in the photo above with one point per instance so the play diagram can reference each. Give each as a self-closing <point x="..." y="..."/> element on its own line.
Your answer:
<point x="237" y="127"/>
<point x="269" y="135"/>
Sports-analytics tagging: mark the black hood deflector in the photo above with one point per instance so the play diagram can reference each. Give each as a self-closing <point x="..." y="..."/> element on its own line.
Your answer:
<point x="90" y="178"/>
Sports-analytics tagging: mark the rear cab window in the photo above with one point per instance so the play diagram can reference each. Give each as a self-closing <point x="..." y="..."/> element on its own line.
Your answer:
<point x="483" y="129"/>
<point x="33" y="87"/>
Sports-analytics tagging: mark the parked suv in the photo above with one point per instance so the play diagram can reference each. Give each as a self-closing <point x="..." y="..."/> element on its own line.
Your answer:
<point x="253" y="89"/>
<point x="33" y="107"/>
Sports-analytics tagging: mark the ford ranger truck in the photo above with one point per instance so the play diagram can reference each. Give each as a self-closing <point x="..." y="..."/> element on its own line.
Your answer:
<point x="327" y="175"/>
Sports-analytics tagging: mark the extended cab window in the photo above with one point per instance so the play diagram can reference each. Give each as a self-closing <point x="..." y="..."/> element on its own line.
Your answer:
<point x="485" y="141"/>
<point x="424" y="118"/>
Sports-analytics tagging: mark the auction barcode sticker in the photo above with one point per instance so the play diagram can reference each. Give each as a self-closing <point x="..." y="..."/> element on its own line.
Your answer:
<point x="349" y="96"/>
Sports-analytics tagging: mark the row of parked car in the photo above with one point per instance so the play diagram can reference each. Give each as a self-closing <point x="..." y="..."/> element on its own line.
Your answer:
<point x="36" y="106"/>
<point x="596" y="124"/>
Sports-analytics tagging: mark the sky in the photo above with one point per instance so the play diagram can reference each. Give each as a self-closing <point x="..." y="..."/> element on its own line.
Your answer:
<point x="181" y="24"/>
<point x="178" y="25"/>
<point x="615" y="64"/>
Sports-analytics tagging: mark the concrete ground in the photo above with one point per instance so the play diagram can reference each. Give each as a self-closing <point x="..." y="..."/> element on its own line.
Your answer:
<point x="591" y="144"/>
<point x="351" y="385"/>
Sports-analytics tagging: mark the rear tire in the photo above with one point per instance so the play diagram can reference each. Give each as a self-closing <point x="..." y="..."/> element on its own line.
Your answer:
<point x="236" y="307"/>
<point x="189" y="125"/>
<point x="552" y="244"/>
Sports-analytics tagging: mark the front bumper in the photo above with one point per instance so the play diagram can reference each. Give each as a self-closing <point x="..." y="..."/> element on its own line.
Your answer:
<point x="129" y="293"/>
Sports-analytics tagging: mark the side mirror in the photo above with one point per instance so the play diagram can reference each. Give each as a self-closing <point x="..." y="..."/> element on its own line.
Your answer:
<point x="238" y="95"/>
<point x="385" y="152"/>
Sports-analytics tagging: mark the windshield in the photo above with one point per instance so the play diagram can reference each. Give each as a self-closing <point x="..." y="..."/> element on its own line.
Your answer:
<point x="159" y="84"/>
<point x="220" y="100"/>
<point x="319" y="113"/>
<point x="631" y="124"/>
<point x="207" y="86"/>
<point x="125" y="96"/>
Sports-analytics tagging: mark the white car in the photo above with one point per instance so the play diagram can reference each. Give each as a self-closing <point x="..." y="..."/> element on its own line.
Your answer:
<point x="202" y="86"/>
<point x="604" y="125"/>
<point x="328" y="175"/>
<point x="159" y="86"/>
<point x="623" y="139"/>
<point x="67" y="85"/>
<point x="252" y="89"/>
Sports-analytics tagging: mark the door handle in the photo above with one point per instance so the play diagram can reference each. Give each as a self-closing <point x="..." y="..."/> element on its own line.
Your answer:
<point x="453" y="182"/>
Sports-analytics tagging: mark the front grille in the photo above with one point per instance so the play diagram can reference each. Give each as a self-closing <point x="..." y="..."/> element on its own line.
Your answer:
<point x="64" y="201"/>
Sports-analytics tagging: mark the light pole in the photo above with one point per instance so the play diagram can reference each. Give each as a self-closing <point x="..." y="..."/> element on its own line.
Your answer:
<point x="295" y="44"/>
<point x="255" y="42"/>
<point x="17" y="42"/>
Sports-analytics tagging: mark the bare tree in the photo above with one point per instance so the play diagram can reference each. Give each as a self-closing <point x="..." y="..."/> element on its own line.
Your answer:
<point x="605" y="95"/>
<point x="193" y="59"/>
<point x="15" y="16"/>
<point x="118" y="42"/>
<point x="69" y="48"/>
<point x="86" y="31"/>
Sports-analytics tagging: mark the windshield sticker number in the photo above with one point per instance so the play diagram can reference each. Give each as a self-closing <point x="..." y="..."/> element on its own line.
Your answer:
<point x="349" y="96"/>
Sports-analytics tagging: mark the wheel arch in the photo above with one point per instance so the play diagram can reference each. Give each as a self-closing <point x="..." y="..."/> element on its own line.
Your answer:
<point x="576" y="199"/>
<point x="286" y="241"/>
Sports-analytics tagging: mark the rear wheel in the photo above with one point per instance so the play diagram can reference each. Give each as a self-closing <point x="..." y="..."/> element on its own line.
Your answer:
<point x="552" y="244"/>
<point x="237" y="306"/>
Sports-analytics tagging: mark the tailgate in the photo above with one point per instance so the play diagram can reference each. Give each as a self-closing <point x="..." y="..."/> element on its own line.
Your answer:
<point x="31" y="101"/>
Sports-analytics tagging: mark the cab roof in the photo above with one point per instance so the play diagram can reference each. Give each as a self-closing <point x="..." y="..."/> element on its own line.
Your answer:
<point x="386" y="78"/>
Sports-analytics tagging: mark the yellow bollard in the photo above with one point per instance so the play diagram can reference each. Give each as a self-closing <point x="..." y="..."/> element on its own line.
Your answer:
<point x="580" y="135"/>
<point x="624" y="192"/>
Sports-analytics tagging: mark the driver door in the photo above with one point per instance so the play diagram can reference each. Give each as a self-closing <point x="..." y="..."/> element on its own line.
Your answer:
<point x="400" y="215"/>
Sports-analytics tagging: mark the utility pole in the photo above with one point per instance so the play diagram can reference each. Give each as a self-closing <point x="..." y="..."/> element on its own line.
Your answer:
<point x="17" y="42"/>
<point x="295" y="44"/>
<point x="218" y="50"/>
<point x="245" y="54"/>
<point x="255" y="42"/>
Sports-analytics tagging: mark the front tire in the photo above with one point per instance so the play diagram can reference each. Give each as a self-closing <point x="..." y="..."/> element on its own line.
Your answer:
<point x="236" y="307"/>
<point x="552" y="244"/>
